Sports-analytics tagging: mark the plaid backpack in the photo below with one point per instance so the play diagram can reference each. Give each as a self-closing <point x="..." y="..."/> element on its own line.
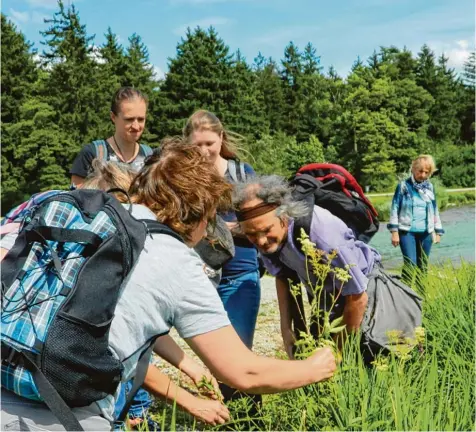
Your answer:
<point x="60" y="285"/>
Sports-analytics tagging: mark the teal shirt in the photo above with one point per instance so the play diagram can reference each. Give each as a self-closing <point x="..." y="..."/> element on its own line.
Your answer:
<point x="419" y="222"/>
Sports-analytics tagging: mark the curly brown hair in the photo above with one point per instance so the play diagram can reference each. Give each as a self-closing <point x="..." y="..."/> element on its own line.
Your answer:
<point x="181" y="187"/>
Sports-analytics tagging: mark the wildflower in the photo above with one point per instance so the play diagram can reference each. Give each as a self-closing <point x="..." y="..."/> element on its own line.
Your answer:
<point x="420" y="334"/>
<point x="381" y="363"/>
<point x="296" y="289"/>
<point x="308" y="247"/>
<point x="342" y="275"/>
<point x="402" y="351"/>
<point x="394" y="336"/>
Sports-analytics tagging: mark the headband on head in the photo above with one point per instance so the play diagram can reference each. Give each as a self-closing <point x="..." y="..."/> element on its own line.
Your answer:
<point x="257" y="210"/>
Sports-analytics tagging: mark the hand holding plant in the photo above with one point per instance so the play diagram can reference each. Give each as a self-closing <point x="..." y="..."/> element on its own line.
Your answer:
<point x="323" y="362"/>
<point x="207" y="385"/>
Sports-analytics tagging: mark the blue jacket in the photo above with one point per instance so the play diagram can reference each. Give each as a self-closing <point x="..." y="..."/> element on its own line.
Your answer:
<point x="401" y="214"/>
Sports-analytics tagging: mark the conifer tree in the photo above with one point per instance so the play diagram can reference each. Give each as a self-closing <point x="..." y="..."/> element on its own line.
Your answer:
<point x="199" y="77"/>
<point x="18" y="75"/>
<point x="269" y="86"/>
<point x="113" y="57"/>
<point x="246" y="108"/>
<point x="138" y="73"/>
<point x="69" y="87"/>
<point x="291" y="74"/>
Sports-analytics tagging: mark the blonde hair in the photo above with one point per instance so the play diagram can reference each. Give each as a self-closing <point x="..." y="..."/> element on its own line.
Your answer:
<point x="107" y="175"/>
<point x="203" y="120"/>
<point x="424" y="159"/>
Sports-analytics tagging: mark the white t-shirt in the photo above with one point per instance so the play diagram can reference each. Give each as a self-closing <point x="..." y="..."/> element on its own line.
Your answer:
<point x="166" y="288"/>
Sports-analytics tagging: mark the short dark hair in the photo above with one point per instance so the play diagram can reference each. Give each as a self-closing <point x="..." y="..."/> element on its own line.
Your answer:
<point x="126" y="93"/>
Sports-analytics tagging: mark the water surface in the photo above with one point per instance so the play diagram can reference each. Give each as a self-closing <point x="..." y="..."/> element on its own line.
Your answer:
<point x="456" y="243"/>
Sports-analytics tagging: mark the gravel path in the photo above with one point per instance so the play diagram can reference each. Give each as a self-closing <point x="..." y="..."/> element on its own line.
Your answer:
<point x="267" y="339"/>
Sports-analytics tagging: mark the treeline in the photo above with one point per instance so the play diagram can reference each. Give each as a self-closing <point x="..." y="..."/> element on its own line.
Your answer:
<point x="390" y="108"/>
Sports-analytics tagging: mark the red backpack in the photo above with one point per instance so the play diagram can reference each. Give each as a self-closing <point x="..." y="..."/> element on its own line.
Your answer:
<point x="332" y="187"/>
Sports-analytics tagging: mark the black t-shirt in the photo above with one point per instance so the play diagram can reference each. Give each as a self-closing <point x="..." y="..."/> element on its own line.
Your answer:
<point x="82" y="163"/>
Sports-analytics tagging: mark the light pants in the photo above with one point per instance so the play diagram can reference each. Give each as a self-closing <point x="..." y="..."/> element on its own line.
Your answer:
<point x="20" y="414"/>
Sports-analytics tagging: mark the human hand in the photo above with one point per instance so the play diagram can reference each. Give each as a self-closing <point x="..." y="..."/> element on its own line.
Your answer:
<point x="206" y="383"/>
<point x="233" y="226"/>
<point x="323" y="364"/>
<point x="395" y="239"/>
<point x="209" y="411"/>
<point x="288" y="339"/>
<point x="436" y="238"/>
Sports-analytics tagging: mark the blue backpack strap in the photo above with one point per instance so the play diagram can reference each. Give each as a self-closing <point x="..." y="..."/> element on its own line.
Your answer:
<point x="101" y="149"/>
<point x="242" y="171"/>
<point x="237" y="173"/>
<point x="146" y="149"/>
<point x="232" y="170"/>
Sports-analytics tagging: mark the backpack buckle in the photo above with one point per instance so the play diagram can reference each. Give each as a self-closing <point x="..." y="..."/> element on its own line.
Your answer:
<point x="10" y="356"/>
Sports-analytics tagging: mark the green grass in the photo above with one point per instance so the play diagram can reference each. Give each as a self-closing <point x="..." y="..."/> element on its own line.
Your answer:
<point x="432" y="390"/>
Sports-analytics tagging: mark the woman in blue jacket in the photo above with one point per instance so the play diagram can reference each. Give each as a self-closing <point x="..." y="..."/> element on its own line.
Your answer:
<point x="414" y="219"/>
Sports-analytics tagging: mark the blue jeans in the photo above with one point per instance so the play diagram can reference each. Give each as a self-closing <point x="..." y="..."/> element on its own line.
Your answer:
<point x="140" y="404"/>
<point x="416" y="249"/>
<point x="241" y="296"/>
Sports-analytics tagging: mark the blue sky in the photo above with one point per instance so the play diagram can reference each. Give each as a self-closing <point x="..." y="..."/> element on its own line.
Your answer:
<point x="339" y="30"/>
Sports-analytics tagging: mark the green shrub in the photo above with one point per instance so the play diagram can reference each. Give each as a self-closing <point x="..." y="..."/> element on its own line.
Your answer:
<point x="383" y="210"/>
<point x="440" y="193"/>
<point x="470" y="196"/>
<point x="456" y="165"/>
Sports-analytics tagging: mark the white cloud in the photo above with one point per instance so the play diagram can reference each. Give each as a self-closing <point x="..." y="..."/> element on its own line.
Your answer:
<point x="456" y="51"/>
<point x="38" y="17"/>
<point x="19" y="17"/>
<point x="96" y="54"/>
<point x="47" y="4"/>
<point x="204" y="23"/>
<point x="464" y="44"/>
<point x="159" y="73"/>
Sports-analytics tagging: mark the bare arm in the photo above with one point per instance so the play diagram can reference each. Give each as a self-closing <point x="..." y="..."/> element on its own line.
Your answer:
<point x="168" y="349"/>
<point x="282" y="288"/>
<point x="234" y="228"/>
<point x="160" y="385"/>
<point x="282" y="291"/>
<point x="3" y="253"/>
<point x="77" y="180"/>
<point x="354" y="310"/>
<point x="231" y="362"/>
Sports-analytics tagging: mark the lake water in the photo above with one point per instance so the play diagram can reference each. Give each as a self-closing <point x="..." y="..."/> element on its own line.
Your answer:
<point x="456" y="243"/>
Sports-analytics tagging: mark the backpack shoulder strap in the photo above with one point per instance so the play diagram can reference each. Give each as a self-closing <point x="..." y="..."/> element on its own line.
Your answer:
<point x="304" y="186"/>
<point x="242" y="171"/>
<point x="146" y="149"/>
<point x="154" y="227"/>
<point x="51" y="397"/>
<point x="232" y="170"/>
<point x="141" y="372"/>
<point x="237" y="173"/>
<point x="304" y="223"/>
<point x="101" y="149"/>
